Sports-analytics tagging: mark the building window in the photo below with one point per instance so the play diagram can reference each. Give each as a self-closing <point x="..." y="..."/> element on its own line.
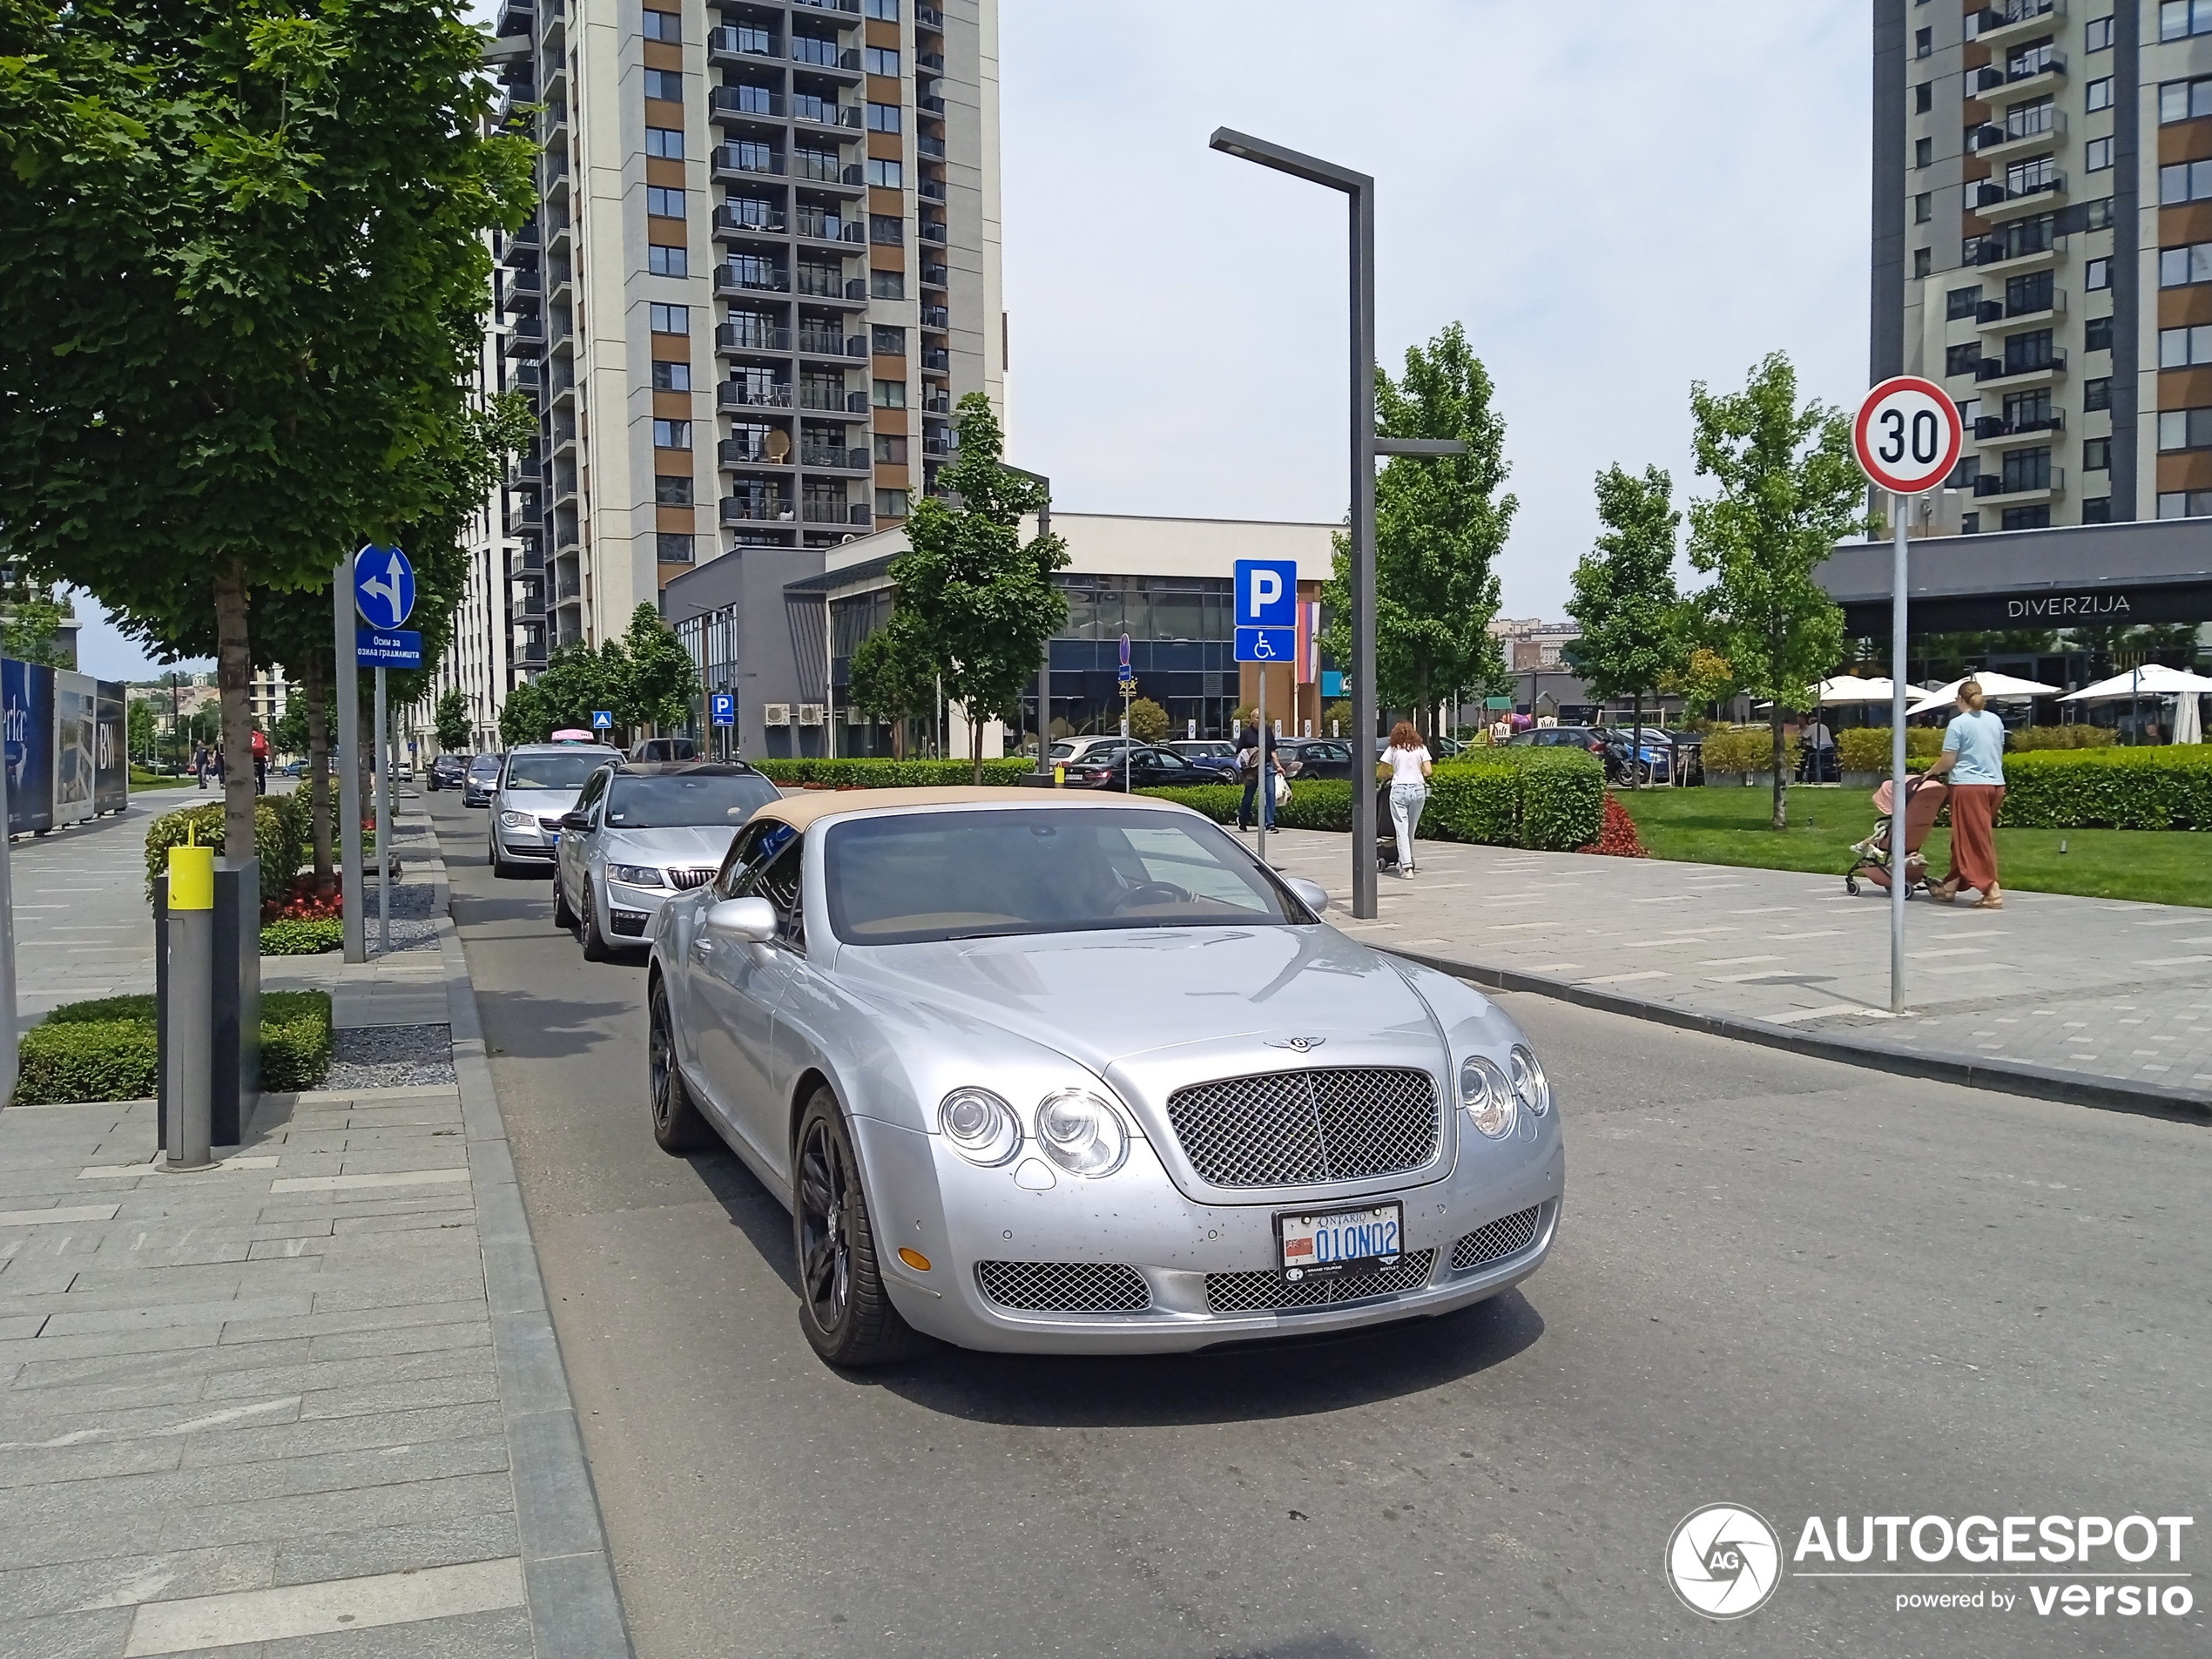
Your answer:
<point x="2179" y="266"/>
<point x="1960" y="302"/>
<point x="665" y="143"/>
<point x="2098" y="94"/>
<point x="671" y="377"/>
<point x="1924" y="97"/>
<point x="672" y="489"/>
<point x="2096" y="155"/>
<point x="1923" y="153"/>
<point x="1970" y="523"/>
<point x="1923" y="208"/>
<point x="883" y="117"/>
<point x="2185" y="428"/>
<point x="2037" y="517"/>
<point x="1923" y="42"/>
<point x="891" y="395"/>
<point x="887" y="229"/>
<point x="881" y="60"/>
<point x="2182" y="100"/>
<point x="886" y="175"/>
<point x="663" y="25"/>
<point x="663" y="203"/>
<point x="2098" y="35"/>
<point x="2097" y="510"/>
<point x="2178" y="19"/>
<point x="887" y="285"/>
<point x="2097" y="394"/>
<point x="2096" y="334"/>
<point x="2097" y="215"/>
<point x="1923" y="262"/>
<point x="671" y="548"/>
<point x="2185" y="347"/>
<point x="2097" y="274"/>
<point x="2185" y="181"/>
<point x="671" y="319"/>
<point x="672" y="434"/>
<point x="667" y="261"/>
<point x="1962" y="360"/>
<point x="884" y="10"/>
<point x="2096" y="455"/>
<point x="666" y="84"/>
<point x="888" y="341"/>
<point x="890" y="504"/>
<point x="891" y="448"/>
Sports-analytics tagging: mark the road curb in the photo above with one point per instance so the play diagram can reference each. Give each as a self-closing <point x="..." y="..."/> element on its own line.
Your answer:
<point x="2011" y="1077"/>
<point x="568" y="1572"/>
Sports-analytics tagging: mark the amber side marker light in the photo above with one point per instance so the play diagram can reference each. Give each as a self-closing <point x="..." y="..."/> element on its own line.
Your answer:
<point x="914" y="1259"/>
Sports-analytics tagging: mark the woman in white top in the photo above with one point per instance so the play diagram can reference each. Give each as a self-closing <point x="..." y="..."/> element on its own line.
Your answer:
<point x="1408" y="760"/>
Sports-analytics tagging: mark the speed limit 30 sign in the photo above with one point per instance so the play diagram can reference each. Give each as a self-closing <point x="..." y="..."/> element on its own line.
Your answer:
<point x="1908" y="435"/>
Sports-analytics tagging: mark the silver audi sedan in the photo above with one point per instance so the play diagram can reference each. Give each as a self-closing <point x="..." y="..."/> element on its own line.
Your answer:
<point x="1065" y="1073"/>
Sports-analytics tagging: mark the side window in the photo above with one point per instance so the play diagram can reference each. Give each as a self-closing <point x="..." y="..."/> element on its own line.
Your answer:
<point x="745" y="847"/>
<point x="777" y="881"/>
<point x="595" y="788"/>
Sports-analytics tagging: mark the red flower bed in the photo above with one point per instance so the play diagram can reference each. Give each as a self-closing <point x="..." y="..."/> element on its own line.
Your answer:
<point x="303" y="903"/>
<point x="1618" y="838"/>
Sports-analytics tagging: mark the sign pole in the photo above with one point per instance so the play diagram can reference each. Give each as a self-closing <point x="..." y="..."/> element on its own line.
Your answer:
<point x="383" y="826"/>
<point x="1899" y="506"/>
<point x="1261" y="757"/>
<point x="347" y="830"/>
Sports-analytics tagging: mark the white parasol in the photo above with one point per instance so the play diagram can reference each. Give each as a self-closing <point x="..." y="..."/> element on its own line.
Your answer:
<point x="1846" y="689"/>
<point x="1996" y="688"/>
<point x="2188" y="728"/>
<point x="2152" y="679"/>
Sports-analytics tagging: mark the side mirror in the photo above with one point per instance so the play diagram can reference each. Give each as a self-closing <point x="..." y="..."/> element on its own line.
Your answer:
<point x="1312" y="894"/>
<point x="751" y="919"/>
<point x="576" y="821"/>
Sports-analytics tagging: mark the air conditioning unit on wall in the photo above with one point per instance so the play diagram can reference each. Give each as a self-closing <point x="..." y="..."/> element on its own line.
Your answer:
<point x="776" y="714"/>
<point x="810" y="714"/>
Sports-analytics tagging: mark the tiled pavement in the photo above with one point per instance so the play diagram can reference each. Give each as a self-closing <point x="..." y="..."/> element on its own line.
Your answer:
<point x="2087" y="986"/>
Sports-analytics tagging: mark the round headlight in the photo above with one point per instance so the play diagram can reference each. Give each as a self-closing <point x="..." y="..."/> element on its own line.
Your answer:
<point x="514" y="820"/>
<point x="981" y="1126"/>
<point x="1081" y="1133"/>
<point x="1486" y="1095"/>
<point x="1530" y="1087"/>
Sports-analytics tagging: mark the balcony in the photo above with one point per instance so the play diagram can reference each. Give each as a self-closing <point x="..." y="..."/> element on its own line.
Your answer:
<point x="2017" y="201"/>
<point x="726" y="45"/>
<point x="751" y="452"/>
<point x="1993" y="315"/>
<point x="933" y="149"/>
<point x="733" y="161"/>
<point x="825" y="54"/>
<point x="514" y="17"/>
<point x="830" y="342"/>
<point x="741" y="278"/>
<point x="940" y="448"/>
<point x="752" y="394"/>
<point x="523" y="376"/>
<point x="936" y="317"/>
<point x="833" y="291"/>
<point x="1999" y="25"/>
<point x="933" y="276"/>
<point x="2043" y="71"/>
<point x="827" y="170"/>
<point x="936" y="360"/>
<point x="756" y="103"/>
<point x="932" y="62"/>
<point x="756" y="509"/>
<point x="932" y="104"/>
<point x="833" y="399"/>
<point x="931" y="190"/>
<point x="936" y="400"/>
<point x="930" y="17"/>
<point x="1997" y="374"/>
<point x="743" y="336"/>
<point x="568" y="581"/>
<point x="519" y="287"/>
<point x="824" y="112"/>
<point x="527" y="338"/>
<point x="834" y="512"/>
<point x="553" y="170"/>
<point x="830" y="458"/>
<point x="818" y="227"/>
<point x="1994" y="432"/>
<point x="849" y="8"/>
<point x="2023" y="488"/>
<point x="932" y="231"/>
<point x="2007" y="256"/>
<point x="739" y="217"/>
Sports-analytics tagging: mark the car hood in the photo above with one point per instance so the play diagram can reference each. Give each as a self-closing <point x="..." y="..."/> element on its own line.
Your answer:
<point x="686" y="847"/>
<point x="1101" y="998"/>
<point x="547" y="803"/>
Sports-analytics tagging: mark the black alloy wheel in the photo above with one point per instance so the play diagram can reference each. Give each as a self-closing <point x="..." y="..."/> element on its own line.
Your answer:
<point x="595" y="942"/>
<point x="843" y="1307"/>
<point x="563" y="918"/>
<point x="678" y="1125"/>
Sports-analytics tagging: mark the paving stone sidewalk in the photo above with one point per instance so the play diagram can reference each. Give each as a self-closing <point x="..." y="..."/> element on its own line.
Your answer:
<point x="309" y="1404"/>
<point x="2097" y="989"/>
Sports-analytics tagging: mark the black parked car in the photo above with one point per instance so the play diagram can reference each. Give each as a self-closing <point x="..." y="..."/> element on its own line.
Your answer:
<point x="1315" y="757"/>
<point x="1216" y="755"/>
<point x="448" y="772"/>
<point x="479" y="781"/>
<point x="1147" y="768"/>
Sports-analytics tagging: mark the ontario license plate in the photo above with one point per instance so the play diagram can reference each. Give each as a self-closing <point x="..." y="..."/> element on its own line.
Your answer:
<point x="1314" y="1243"/>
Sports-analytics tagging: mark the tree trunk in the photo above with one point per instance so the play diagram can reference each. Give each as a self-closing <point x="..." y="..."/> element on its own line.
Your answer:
<point x="1781" y="776"/>
<point x="1636" y="740"/>
<point x="975" y="746"/>
<point x="317" y="685"/>
<point x="233" y="676"/>
<point x="1422" y="713"/>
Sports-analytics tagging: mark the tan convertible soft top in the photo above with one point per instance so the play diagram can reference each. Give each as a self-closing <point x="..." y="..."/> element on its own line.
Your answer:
<point x="800" y="811"/>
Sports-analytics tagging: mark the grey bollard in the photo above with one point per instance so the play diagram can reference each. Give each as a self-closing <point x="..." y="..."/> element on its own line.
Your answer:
<point x="192" y="1014"/>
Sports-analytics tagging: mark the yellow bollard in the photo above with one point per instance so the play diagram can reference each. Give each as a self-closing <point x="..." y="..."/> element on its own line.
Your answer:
<point x="191" y="1014"/>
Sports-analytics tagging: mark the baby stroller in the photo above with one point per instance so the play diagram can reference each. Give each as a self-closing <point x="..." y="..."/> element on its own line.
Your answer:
<point x="1386" y="830"/>
<point x="1924" y="798"/>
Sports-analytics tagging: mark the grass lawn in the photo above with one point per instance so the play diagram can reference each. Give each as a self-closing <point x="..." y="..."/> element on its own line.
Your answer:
<point x="1730" y="826"/>
<point x="143" y="780"/>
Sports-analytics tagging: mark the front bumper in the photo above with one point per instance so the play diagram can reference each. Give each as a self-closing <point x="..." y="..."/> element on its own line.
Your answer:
<point x="957" y="1216"/>
<point x="530" y="840"/>
<point x="631" y="911"/>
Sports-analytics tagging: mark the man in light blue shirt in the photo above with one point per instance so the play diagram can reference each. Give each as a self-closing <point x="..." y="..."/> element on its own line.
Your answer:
<point x="1974" y="760"/>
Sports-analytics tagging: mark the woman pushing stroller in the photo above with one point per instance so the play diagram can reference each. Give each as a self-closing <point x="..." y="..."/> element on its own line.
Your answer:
<point x="1974" y="758"/>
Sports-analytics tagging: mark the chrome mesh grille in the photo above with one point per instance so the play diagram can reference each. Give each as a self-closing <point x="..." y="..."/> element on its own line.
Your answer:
<point x="1065" y="1287"/>
<point x="690" y="877"/>
<point x="1242" y="1292"/>
<point x="1307" y="1127"/>
<point x="1495" y="1241"/>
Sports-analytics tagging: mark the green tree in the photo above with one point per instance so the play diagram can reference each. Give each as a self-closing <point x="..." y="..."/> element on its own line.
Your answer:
<point x="139" y="729"/>
<point x="242" y="269"/>
<point x="451" y="718"/>
<point x="1624" y="595"/>
<point x="1147" y="721"/>
<point x="524" y="716"/>
<point x="1790" y="490"/>
<point x="890" y="682"/>
<point x="978" y="602"/>
<point x="289" y="735"/>
<point x="31" y="629"/>
<point x="1439" y="524"/>
<point x="1703" y="677"/>
<point x="658" y="678"/>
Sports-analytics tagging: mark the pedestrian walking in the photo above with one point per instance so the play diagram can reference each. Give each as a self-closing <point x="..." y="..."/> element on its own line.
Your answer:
<point x="1407" y="757"/>
<point x="1820" y="745"/>
<point x="1973" y="756"/>
<point x="260" y="761"/>
<point x="1258" y="766"/>
<point x="199" y="763"/>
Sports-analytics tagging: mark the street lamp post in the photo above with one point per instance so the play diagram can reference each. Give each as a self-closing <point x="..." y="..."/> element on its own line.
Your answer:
<point x="1365" y="446"/>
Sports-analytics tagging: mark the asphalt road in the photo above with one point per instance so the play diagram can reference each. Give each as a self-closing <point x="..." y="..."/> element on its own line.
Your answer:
<point x="1780" y="1282"/>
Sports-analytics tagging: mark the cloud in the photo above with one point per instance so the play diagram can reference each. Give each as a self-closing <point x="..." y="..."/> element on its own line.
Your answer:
<point x="1615" y="201"/>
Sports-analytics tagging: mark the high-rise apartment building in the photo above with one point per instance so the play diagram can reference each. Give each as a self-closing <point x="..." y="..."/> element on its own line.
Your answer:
<point x="764" y="267"/>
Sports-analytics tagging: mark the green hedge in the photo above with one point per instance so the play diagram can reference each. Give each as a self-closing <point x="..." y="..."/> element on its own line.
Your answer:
<point x="866" y="773"/>
<point x="1866" y="748"/>
<point x="107" y="1048"/>
<point x="2164" y="788"/>
<point x="293" y="937"/>
<point x="1552" y="799"/>
<point x="1749" y="748"/>
<point x="283" y="838"/>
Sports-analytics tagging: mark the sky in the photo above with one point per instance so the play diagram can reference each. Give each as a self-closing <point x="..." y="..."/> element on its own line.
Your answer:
<point x="1614" y="201"/>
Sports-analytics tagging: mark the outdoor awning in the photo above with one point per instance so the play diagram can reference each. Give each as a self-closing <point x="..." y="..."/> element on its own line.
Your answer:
<point x="2152" y="679"/>
<point x="1997" y="688"/>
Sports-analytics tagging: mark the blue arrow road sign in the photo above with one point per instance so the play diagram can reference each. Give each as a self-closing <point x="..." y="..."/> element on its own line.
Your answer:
<point x="383" y="586"/>
<point x="1267" y="644"/>
<point x="722" y="709"/>
<point x="388" y="648"/>
<point x="1266" y="595"/>
<point x="602" y="720"/>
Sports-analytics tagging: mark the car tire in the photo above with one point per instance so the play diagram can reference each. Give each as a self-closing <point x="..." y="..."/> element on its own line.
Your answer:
<point x="595" y="942"/>
<point x="678" y="1126"/>
<point x="501" y="869"/>
<point x="563" y="918"/>
<point x="844" y="1309"/>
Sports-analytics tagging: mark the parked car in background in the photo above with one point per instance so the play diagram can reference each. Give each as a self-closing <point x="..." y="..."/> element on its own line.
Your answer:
<point x="1315" y="757"/>
<point x="655" y="748"/>
<point x="1659" y="756"/>
<point x="1208" y="754"/>
<point x="1068" y="751"/>
<point x="640" y="833"/>
<point x="1138" y="766"/>
<point x="481" y="780"/>
<point x="1593" y="739"/>
<point x="448" y="770"/>
<point x="538" y="783"/>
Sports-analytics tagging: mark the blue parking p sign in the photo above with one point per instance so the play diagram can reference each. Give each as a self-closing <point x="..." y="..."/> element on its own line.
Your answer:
<point x="1266" y="610"/>
<point x="602" y="721"/>
<point x="722" y="709"/>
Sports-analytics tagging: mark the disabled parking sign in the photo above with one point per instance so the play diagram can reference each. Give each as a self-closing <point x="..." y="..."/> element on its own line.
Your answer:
<point x="1266" y="610"/>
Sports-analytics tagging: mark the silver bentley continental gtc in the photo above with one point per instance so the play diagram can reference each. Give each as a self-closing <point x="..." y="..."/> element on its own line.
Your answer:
<point x="1061" y="1072"/>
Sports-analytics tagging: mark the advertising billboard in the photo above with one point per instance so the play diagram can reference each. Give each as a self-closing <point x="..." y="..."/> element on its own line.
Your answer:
<point x="27" y="724"/>
<point x="111" y="761"/>
<point x="76" y="744"/>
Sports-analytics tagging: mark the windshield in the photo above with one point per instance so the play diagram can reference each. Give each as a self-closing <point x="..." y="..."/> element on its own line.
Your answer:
<point x="559" y="770"/>
<point x="686" y="801"/>
<point x="484" y="767"/>
<point x="925" y="876"/>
